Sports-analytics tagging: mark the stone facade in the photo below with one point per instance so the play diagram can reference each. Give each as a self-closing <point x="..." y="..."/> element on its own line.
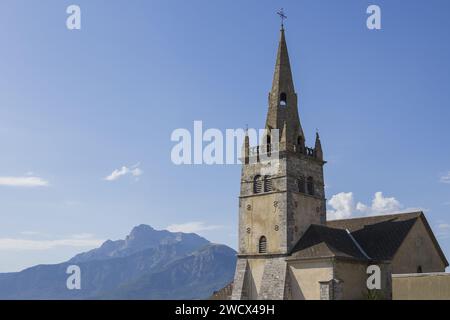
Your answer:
<point x="287" y="249"/>
<point x="306" y="278"/>
<point x="418" y="252"/>
<point x="426" y="286"/>
<point x="296" y="198"/>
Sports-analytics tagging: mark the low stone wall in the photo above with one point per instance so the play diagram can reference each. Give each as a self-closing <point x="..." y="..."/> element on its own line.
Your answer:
<point x="421" y="286"/>
<point x="224" y="293"/>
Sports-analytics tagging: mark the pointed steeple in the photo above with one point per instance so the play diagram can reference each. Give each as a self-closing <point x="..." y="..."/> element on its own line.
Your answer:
<point x="246" y="148"/>
<point x="318" y="147"/>
<point x="283" y="99"/>
<point x="282" y="78"/>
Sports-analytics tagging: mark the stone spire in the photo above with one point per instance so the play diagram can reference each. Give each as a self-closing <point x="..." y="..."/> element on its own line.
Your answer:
<point x="282" y="78"/>
<point x="246" y="148"/>
<point x="283" y="98"/>
<point x="318" y="147"/>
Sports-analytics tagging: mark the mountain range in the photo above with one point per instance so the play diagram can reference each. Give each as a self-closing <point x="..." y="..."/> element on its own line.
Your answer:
<point x="147" y="264"/>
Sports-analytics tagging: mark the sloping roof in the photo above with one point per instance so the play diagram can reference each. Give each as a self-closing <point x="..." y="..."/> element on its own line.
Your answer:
<point x="359" y="223"/>
<point x="382" y="236"/>
<point x="322" y="241"/>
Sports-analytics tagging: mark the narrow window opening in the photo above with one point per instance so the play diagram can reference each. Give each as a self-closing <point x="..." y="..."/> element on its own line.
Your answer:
<point x="262" y="248"/>
<point x="300" y="144"/>
<point x="301" y="185"/>
<point x="310" y="186"/>
<point x="283" y="99"/>
<point x="269" y="145"/>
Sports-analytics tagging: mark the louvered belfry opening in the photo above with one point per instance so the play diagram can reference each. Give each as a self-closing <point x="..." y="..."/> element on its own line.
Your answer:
<point x="267" y="184"/>
<point x="262" y="248"/>
<point x="257" y="184"/>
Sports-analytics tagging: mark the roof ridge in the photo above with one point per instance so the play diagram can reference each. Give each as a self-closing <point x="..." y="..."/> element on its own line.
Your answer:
<point x="358" y="245"/>
<point x="380" y="216"/>
<point x="324" y="226"/>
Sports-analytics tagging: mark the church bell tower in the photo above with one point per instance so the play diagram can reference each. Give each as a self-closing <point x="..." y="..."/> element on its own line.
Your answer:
<point x="282" y="191"/>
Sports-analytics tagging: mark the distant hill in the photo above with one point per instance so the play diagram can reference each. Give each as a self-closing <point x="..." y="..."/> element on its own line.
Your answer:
<point x="148" y="264"/>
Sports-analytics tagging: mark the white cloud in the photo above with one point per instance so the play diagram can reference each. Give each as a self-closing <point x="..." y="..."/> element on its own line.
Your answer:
<point x="39" y="245"/>
<point x="446" y="178"/>
<point x="343" y="206"/>
<point x="192" y="227"/>
<point x="380" y="205"/>
<point x="134" y="171"/>
<point x="23" y="182"/>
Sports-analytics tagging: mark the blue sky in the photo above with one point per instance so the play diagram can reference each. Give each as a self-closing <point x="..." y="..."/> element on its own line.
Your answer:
<point x="77" y="105"/>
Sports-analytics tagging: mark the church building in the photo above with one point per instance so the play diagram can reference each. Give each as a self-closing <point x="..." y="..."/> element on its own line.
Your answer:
<point x="287" y="248"/>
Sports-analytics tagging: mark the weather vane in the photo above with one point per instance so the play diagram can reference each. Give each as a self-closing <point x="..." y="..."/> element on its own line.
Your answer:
<point x="282" y="16"/>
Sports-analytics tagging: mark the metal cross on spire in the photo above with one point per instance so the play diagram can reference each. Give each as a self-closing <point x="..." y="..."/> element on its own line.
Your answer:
<point x="282" y="16"/>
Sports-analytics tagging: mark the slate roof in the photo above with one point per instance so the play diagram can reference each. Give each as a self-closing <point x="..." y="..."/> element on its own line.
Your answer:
<point x="359" y="223"/>
<point x="370" y="238"/>
<point x="322" y="241"/>
<point x="380" y="236"/>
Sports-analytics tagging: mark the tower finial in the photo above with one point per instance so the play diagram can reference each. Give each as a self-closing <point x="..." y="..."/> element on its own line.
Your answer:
<point x="282" y="16"/>
<point x="282" y="96"/>
<point x="318" y="147"/>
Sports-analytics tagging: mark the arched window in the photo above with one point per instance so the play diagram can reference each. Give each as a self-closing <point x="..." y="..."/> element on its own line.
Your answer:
<point x="267" y="184"/>
<point x="257" y="184"/>
<point x="310" y="185"/>
<point x="283" y="99"/>
<point x="301" y="184"/>
<point x="262" y="246"/>
<point x="419" y="269"/>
